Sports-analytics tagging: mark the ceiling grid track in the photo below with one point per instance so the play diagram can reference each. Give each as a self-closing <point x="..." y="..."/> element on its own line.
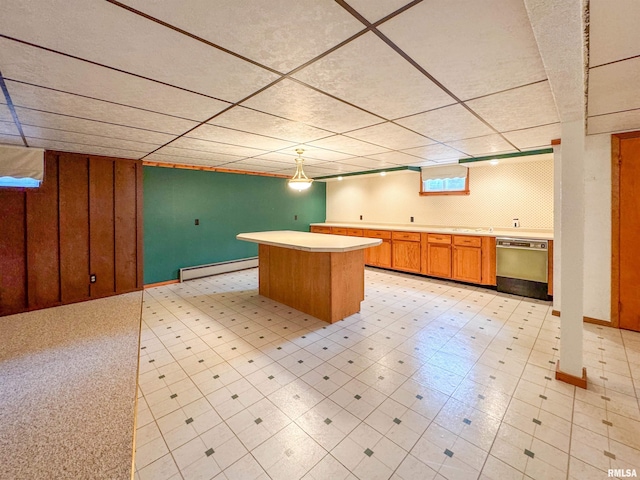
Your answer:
<point x="12" y="109"/>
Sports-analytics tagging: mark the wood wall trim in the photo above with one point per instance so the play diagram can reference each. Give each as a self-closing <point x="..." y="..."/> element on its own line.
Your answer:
<point x="595" y="321"/>
<point x="615" y="227"/>
<point x="161" y="284"/>
<point x="147" y="163"/>
<point x="550" y="268"/>
<point x="555" y="313"/>
<point x="555" y="141"/>
<point x="572" y="379"/>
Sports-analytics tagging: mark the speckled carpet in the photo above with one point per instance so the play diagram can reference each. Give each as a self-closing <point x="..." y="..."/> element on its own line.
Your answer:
<point x="68" y="389"/>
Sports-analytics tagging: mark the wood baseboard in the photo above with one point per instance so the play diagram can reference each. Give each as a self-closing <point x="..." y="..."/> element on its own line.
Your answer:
<point x="555" y="313"/>
<point x="595" y="321"/>
<point x="160" y="284"/>
<point x="572" y="379"/>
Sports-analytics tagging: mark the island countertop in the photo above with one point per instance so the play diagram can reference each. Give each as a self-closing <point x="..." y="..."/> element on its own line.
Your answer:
<point x="309" y="242"/>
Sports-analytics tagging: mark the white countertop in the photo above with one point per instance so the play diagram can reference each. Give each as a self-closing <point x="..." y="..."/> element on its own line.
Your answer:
<point x="541" y="234"/>
<point x="309" y="242"/>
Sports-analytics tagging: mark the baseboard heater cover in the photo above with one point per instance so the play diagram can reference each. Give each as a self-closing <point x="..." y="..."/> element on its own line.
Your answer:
<point x="190" y="273"/>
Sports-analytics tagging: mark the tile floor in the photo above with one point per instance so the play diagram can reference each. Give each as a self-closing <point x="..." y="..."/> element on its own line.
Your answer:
<point x="430" y="380"/>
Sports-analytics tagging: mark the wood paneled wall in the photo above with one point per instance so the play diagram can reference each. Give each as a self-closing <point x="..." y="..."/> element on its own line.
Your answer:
<point x="85" y="219"/>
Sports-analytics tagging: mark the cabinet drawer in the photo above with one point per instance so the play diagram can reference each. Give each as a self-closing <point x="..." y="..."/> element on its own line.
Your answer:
<point x="319" y="229"/>
<point x="354" y="232"/>
<point x="438" y="238"/>
<point x="377" y="234"/>
<point x="408" y="236"/>
<point x="338" y="231"/>
<point x="467" y="241"/>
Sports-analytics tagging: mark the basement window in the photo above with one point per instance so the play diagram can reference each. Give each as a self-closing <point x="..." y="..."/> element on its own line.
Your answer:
<point x="444" y="180"/>
<point x="21" y="167"/>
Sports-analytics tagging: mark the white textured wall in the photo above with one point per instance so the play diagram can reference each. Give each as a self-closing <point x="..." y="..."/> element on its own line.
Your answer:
<point x="498" y="194"/>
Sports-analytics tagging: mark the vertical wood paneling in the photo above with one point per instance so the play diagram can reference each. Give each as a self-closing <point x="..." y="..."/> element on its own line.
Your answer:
<point x="126" y="261"/>
<point x="74" y="227"/>
<point x="43" y="256"/>
<point x="139" y="226"/>
<point x="101" y="226"/>
<point x="13" y="271"/>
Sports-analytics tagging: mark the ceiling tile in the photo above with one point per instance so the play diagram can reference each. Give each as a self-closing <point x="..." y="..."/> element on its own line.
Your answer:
<point x="8" y="128"/>
<point x="435" y="153"/>
<point x="448" y="123"/>
<point x="288" y="158"/>
<point x="390" y="136"/>
<point x="319" y="154"/>
<point x="367" y="163"/>
<point x="5" y="113"/>
<point x="260" y="165"/>
<point x="341" y="167"/>
<point x="534" y="137"/>
<point x="343" y="144"/>
<point x="523" y="107"/>
<point x="251" y="121"/>
<point x="429" y="163"/>
<point x="613" y="30"/>
<point x="289" y="99"/>
<point x="84" y="139"/>
<point x="110" y="35"/>
<point x="178" y="159"/>
<point x="92" y="127"/>
<point x="282" y="36"/>
<point x="235" y="137"/>
<point x="489" y="145"/>
<point x="207" y="158"/>
<point x="313" y="172"/>
<point x="374" y="11"/>
<point x="371" y="75"/>
<point x="614" y="88"/>
<point x="67" y="104"/>
<point x="40" y="67"/>
<point x="11" y="139"/>
<point x="397" y="158"/>
<point x="215" y="147"/>
<point x="473" y="48"/>
<point x="81" y="148"/>
<point x="614" y="122"/>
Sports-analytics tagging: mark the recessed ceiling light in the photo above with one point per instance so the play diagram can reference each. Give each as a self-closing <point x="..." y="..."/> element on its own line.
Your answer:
<point x="339" y="179"/>
<point x="382" y="174"/>
<point x="494" y="162"/>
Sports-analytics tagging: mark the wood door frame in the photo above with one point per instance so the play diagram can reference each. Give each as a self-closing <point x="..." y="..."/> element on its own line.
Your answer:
<point x="616" y="139"/>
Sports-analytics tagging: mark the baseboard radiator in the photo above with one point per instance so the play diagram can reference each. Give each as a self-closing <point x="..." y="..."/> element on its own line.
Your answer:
<point x="200" y="271"/>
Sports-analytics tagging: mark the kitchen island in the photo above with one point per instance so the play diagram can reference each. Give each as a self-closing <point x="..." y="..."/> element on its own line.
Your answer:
<point x="322" y="275"/>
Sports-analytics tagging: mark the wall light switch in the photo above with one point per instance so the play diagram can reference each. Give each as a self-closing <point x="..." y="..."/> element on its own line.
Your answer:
<point x="295" y="217"/>
<point x="197" y="221"/>
<point x="92" y="278"/>
<point x="411" y="219"/>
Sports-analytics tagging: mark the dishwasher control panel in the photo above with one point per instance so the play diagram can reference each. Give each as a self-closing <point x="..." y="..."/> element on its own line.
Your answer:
<point x="505" y="242"/>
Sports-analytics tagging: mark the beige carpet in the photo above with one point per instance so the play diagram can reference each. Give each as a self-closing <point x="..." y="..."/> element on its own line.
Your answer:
<point x="68" y="389"/>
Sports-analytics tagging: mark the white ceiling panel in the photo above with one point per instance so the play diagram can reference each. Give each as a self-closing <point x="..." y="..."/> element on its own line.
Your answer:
<point x="5" y="113"/>
<point x="613" y="30"/>
<point x="312" y="172"/>
<point x="523" y="107"/>
<point x="84" y="139"/>
<point x="351" y="146"/>
<point x="294" y="101"/>
<point x="81" y="148"/>
<point x="40" y="67"/>
<point x="367" y="163"/>
<point x="319" y="154"/>
<point x="614" y="122"/>
<point x="534" y="137"/>
<point x="371" y="75"/>
<point x="64" y="123"/>
<point x="235" y="137"/>
<point x="390" y="136"/>
<point x="473" y="48"/>
<point x="397" y="158"/>
<point x="341" y="167"/>
<point x="435" y="153"/>
<point x="11" y="140"/>
<point x="209" y="158"/>
<point x="110" y="35"/>
<point x="448" y="123"/>
<point x="288" y="158"/>
<point x="282" y="35"/>
<point x="489" y="145"/>
<point x="215" y="147"/>
<point x="57" y="102"/>
<point x="261" y="164"/>
<point x="429" y="163"/>
<point x="8" y="128"/>
<point x="374" y="11"/>
<point x="261" y="123"/>
<point x="174" y="158"/>
<point x="614" y="88"/>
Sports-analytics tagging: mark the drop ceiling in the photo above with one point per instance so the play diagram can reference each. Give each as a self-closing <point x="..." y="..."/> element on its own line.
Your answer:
<point x="238" y="85"/>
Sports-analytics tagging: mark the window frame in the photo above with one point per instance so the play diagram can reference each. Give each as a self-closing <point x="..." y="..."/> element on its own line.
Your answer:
<point x="466" y="190"/>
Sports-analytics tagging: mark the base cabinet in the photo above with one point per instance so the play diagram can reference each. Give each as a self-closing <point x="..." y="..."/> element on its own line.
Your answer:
<point x="406" y="256"/>
<point x="467" y="264"/>
<point x="379" y="256"/>
<point x="439" y="260"/>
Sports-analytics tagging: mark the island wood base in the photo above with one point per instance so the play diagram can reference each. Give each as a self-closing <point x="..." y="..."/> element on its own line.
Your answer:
<point x="326" y="285"/>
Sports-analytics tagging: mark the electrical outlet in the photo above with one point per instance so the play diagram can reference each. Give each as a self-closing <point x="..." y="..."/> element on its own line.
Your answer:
<point x="92" y="278"/>
<point x="197" y="222"/>
<point x="411" y="219"/>
<point x="516" y="223"/>
<point x="295" y="217"/>
<point x="360" y="217"/>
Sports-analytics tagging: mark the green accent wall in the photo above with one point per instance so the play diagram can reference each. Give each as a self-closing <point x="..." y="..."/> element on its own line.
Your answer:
<point x="225" y="204"/>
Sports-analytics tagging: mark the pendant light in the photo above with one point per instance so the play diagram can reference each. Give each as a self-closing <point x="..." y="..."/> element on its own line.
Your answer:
<point x="300" y="181"/>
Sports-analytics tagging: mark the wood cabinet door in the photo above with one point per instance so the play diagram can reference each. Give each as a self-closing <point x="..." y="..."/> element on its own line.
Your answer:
<point x="406" y="255"/>
<point x="439" y="260"/>
<point x="379" y="256"/>
<point x="467" y="264"/>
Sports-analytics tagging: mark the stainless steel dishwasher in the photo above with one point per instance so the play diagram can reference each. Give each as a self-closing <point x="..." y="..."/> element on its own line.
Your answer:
<point x="521" y="266"/>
